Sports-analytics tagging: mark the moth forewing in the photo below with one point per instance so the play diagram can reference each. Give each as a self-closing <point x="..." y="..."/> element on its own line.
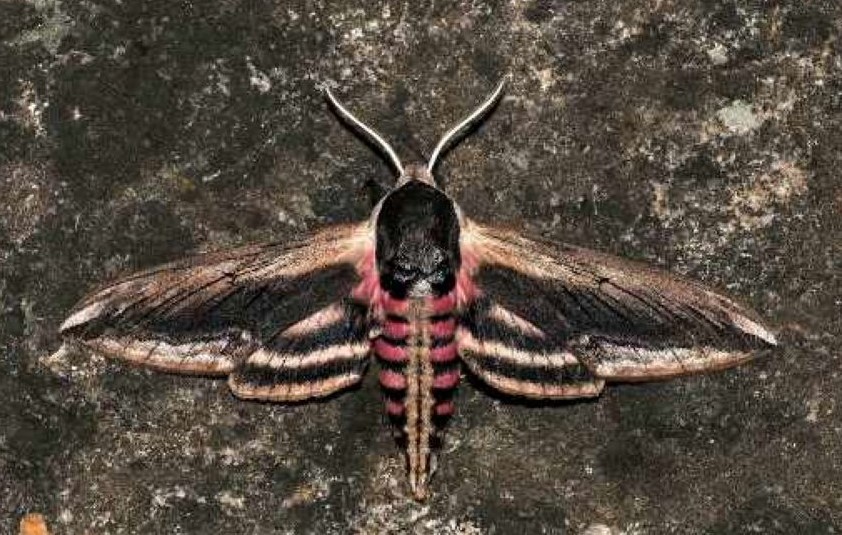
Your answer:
<point x="207" y="314"/>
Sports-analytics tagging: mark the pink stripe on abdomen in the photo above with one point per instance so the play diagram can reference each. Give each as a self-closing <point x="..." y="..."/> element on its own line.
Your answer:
<point x="446" y="380"/>
<point x="394" y="408"/>
<point x="388" y="351"/>
<point x="443" y="354"/>
<point x="444" y="408"/>
<point x="392" y="380"/>
<point x="395" y="330"/>
<point x="443" y="305"/>
<point x="444" y="328"/>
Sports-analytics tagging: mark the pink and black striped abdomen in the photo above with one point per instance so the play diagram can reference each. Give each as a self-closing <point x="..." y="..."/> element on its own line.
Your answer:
<point x="430" y="339"/>
<point x="419" y="371"/>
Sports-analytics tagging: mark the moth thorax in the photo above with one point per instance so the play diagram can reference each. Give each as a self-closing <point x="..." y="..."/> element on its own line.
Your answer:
<point x="417" y="249"/>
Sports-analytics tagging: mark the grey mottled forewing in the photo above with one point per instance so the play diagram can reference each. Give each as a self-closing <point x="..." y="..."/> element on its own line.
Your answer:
<point x="275" y="317"/>
<point x="547" y="306"/>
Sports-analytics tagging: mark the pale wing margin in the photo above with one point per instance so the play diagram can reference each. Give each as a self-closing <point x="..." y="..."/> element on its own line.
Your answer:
<point x="624" y="320"/>
<point x="208" y="315"/>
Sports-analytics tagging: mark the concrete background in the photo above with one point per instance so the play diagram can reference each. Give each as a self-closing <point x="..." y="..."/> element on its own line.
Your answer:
<point x="702" y="136"/>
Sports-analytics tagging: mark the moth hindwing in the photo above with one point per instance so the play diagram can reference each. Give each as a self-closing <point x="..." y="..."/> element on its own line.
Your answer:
<point x="424" y="289"/>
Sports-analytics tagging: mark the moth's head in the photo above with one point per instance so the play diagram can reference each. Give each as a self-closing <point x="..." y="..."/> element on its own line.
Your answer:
<point x="419" y="173"/>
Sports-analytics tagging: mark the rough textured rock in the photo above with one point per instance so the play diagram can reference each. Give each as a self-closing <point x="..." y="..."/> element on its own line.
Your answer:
<point x="703" y="136"/>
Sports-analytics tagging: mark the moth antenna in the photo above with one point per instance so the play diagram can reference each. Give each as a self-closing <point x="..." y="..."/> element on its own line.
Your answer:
<point x="466" y="122"/>
<point x="368" y="131"/>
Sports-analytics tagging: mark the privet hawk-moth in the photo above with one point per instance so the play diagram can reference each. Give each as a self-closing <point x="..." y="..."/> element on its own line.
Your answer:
<point x="428" y="292"/>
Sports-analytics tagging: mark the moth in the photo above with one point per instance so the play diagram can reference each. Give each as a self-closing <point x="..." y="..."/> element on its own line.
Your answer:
<point x="428" y="293"/>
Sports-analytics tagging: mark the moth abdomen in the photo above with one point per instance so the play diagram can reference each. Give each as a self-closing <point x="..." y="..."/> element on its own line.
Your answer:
<point x="419" y="369"/>
<point x="404" y="337"/>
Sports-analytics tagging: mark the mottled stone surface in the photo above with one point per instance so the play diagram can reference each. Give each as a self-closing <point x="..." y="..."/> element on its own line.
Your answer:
<point x="703" y="136"/>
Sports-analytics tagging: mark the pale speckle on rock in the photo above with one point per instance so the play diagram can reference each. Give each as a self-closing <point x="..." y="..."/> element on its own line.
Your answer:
<point x="258" y="79"/>
<point x="718" y="54"/>
<point x="56" y="26"/>
<point x="230" y="500"/>
<point x="600" y="529"/>
<point x="754" y="205"/>
<point x="31" y="108"/>
<point x="65" y="516"/>
<point x="739" y="117"/>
